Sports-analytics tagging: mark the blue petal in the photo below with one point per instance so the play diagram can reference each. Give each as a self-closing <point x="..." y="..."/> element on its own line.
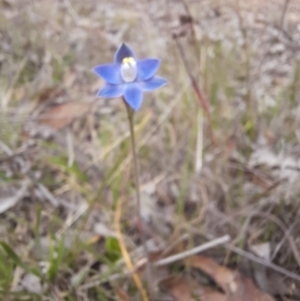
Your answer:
<point x="152" y="83"/>
<point x="110" y="73"/>
<point x="122" y="52"/>
<point x="111" y="91"/>
<point x="147" y="68"/>
<point x="133" y="95"/>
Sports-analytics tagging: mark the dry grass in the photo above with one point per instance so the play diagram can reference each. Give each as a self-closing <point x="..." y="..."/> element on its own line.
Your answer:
<point x="65" y="156"/>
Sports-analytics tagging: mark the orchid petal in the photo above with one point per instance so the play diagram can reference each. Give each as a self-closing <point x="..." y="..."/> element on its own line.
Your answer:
<point x="110" y="73"/>
<point x="111" y="91"/>
<point x="152" y="83"/>
<point x="147" y="68"/>
<point x="133" y="95"/>
<point x="123" y="52"/>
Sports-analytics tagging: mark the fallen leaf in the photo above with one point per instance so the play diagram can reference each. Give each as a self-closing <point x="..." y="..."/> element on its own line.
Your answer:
<point x="235" y="286"/>
<point x="61" y="115"/>
<point x="186" y="289"/>
<point x="223" y="276"/>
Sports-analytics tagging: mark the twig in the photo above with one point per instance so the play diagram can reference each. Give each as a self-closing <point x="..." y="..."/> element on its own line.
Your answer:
<point x="159" y="263"/>
<point x="263" y="262"/>
<point x="194" y="251"/>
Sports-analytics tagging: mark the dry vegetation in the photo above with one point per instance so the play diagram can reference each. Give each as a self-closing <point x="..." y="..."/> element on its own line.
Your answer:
<point x="65" y="163"/>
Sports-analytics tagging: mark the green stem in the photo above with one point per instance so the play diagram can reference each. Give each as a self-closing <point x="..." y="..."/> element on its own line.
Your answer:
<point x="130" y="113"/>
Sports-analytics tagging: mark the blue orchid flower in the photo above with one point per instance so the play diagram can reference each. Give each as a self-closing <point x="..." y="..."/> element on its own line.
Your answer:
<point x="129" y="77"/>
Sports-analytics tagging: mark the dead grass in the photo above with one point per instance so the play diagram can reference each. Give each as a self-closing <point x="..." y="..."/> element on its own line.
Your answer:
<point x="65" y="156"/>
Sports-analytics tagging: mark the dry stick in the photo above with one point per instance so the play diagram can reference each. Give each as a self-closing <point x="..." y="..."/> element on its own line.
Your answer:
<point x="257" y="259"/>
<point x="263" y="262"/>
<point x="194" y="251"/>
<point x="159" y="263"/>
<point x="171" y="259"/>
<point x="202" y="101"/>
<point x="130" y="113"/>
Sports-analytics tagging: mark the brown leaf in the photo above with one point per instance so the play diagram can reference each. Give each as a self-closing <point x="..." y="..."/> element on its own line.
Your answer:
<point x="61" y="115"/>
<point x="223" y="276"/>
<point x="235" y="286"/>
<point x="185" y="289"/>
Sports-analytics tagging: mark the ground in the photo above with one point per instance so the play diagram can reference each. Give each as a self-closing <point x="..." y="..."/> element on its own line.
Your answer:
<point x="218" y="150"/>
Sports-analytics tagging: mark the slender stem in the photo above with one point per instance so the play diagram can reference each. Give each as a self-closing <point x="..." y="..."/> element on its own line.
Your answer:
<point x="130" y="114"/>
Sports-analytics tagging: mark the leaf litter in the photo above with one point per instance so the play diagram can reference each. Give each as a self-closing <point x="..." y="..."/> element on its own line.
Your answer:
<point x="234" y="286"/>
<point x="233" y="283"/>
<point x="250" y="75"/>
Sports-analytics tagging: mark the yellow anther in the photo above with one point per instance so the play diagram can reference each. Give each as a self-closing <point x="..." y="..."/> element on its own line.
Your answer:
<point x="128" y="60"/>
